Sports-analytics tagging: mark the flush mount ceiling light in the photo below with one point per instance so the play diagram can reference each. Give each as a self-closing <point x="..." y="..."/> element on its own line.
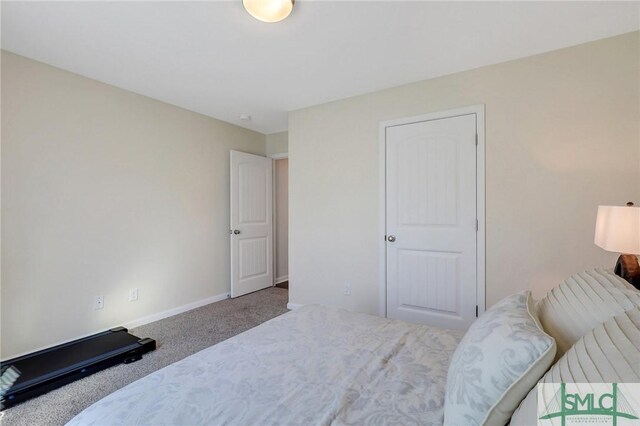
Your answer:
<point x="269" y="10"/>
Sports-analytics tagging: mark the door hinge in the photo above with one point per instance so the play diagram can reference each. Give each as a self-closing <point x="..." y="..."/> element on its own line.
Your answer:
<point x="477" y="225"/>
<point x="476" y="311"/>
<point x="476" y="139"/>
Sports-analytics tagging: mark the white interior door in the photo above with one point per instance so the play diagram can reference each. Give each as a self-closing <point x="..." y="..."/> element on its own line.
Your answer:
<point x="251" y="223"/>
<point x="431" y="221"/>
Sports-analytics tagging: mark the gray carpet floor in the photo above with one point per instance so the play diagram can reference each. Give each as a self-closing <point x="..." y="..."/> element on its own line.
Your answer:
<point x="177" y="337"/>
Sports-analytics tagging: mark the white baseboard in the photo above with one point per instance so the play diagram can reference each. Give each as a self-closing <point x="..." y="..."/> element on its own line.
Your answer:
<point x="282" y="279"/>
<point x="138" y="322"/>
<point x="294" y="306"/>
<point x="175" y="311"/>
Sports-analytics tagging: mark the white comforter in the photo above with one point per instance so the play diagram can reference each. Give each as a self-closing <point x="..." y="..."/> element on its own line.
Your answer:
<point x="316" y="365"/>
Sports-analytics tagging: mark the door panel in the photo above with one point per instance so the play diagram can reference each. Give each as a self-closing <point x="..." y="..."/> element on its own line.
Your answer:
<point x="427" y="177"/>
<point x="431" y="214"/>
<point x="251" y="223"/>
<point x="252" y="202"/>
<point x="439" y="269"/>
<point x="253" y="257"/>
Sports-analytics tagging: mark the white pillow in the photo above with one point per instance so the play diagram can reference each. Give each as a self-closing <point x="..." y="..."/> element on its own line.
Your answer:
<point x="582" y="302"/>
<point x="610" y="353"/>
<point x="500" y="358"/>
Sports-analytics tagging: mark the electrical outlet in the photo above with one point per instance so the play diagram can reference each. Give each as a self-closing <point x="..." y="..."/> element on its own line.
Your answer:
<point x="98" y="302"/>
<point x="133" y="294"/>
<point x="347" y="289"/>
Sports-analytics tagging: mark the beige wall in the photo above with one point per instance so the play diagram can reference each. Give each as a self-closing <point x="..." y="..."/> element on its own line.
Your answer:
<point x="104" y="190"/>
<point x="562" y="134"/>
<point x="282" y="218"/>
<point x="277" y="143"/>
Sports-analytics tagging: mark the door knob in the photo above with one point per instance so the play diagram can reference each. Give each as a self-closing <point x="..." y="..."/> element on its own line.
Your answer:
<point x="236" y="231"/>
<point x="391" y="238"/>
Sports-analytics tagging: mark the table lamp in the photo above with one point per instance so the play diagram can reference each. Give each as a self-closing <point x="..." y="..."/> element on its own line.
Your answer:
<point x="618" y="230"/>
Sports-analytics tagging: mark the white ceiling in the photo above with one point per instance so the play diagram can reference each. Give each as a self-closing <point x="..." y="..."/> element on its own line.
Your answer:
<point x="213" y="58"/>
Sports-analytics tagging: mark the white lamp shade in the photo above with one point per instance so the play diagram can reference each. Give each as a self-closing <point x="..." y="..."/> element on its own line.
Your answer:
<point x="618" y="229"/>
<point x="268" y="10"/>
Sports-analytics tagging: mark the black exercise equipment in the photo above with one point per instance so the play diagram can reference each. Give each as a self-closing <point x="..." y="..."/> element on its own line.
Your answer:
<point x="54" y="367"/>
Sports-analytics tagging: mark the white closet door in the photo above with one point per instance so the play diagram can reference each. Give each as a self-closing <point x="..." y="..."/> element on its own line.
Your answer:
<point x="251" y="223"/>
<point x="431" y="222"/>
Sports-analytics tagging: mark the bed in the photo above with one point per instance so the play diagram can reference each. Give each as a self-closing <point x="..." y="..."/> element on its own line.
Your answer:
<point x="323" y="365"/>
<point x="315" y="365"/>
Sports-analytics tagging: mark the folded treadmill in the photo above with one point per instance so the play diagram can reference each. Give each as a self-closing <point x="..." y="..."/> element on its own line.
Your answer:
<point x="51" y="368"/>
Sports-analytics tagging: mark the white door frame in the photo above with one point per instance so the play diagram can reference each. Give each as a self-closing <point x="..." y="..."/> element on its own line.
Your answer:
<point x="478" y="110"/>
<point x="274" y="157"/>
<point x="279" y="156"/>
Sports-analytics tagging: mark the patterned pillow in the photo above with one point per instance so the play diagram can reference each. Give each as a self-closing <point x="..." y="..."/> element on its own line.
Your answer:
<point x="500" y="358"/>
<point x="582" y="302"/>
<point x="610" y="353"/>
